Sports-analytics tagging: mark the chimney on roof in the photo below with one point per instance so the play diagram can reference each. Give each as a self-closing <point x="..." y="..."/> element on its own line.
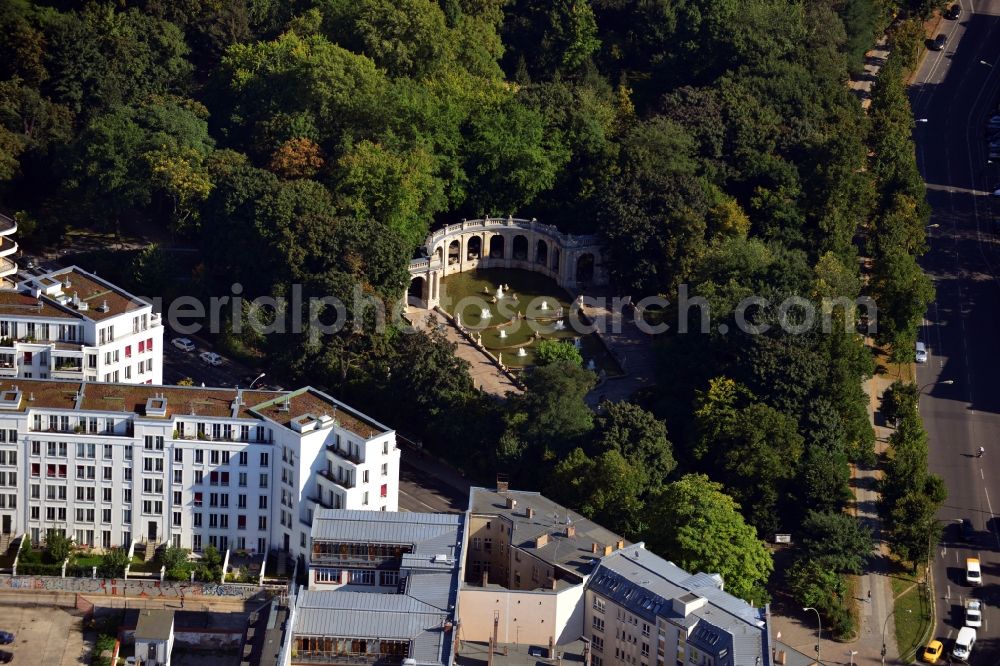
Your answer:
<point x="620" y="544"/>
<point x="570" y="531"/>
<point x="529" y="512"/>
<point x="510" y="503"/>
<point x="593" y="547"/>
<point x="607" y="550"/>
<point x="486" y="577"/>
<point x="553" y="586"/>
<point x="542" y="540"/>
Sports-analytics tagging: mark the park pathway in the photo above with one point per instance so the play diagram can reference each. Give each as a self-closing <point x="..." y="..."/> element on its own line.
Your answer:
<point x="485" y="375"/>
<point x="632" y="348"/>
<point x="874" y="589"/>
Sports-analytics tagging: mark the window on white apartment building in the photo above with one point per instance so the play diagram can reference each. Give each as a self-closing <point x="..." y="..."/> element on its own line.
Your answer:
<point x="127" y="495"/>
<point x="263" y="481"/>
<point x="197" y="519"/>
<point x="126" y="516"/>
<point x="199" y="456"/>
<point x="178" y="476"/>
<point x="264" y="459"/>
<point x="598" y="604"/>
<point x="597" y="642"/>
<point x="364" y="499"/>
<point x="598" y="623"/>
<point x="196" y="543"/>
<point x="105" y="494"/>
<point x="262" y="523"/>
<point x="179" y="455"/>
<point x="262" y="502"/>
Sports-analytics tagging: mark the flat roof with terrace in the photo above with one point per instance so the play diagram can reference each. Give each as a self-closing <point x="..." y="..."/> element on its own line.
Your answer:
<point x="74" y="292"/>
<point x="165" y="402"/>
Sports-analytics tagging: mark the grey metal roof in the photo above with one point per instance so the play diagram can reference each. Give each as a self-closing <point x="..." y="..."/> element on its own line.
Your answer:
<point x="429" y="596"/>
<point x="574" y="553"/>
<point x="431" y="533"/>
<point x="154" y="625"/>
<point x="646" y="584"/>
<point x="369" y="615"/>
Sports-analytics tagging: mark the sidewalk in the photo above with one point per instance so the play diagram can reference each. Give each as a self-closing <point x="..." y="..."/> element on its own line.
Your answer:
<point x="800" y="631"/>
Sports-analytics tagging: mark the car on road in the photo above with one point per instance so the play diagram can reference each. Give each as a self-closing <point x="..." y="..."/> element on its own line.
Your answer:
<point x="921" y="353"/>
<point x="973" y="571"/>
<point x="974" y="613"/>
<point x="932" y="652"/>
<point x="963" y="643"/>
<point x="996" y="190"/>
<point x="953" y="12"/>
<point x="211" y="358"/>
<point x="968" y="532"/>
<point x="184" y="344"/>
<point x="6" y="638"/>
<point x="6" y="657"/>
<point x="937" y="44"/>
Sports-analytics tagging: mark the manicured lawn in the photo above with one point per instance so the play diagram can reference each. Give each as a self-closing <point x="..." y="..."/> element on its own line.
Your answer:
<point x="913" y="615"/>
<point x="146" y="567"/>
<point x="87" y="560"/>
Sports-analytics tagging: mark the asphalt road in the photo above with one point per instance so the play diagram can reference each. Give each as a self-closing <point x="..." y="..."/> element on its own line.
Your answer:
<point x="955" y="91"/>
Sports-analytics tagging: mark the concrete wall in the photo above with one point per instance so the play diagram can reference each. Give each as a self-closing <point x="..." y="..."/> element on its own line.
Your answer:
<point x="119" y="587"/>
<point x="525" y="617"/>
<point x="570" y="614"/>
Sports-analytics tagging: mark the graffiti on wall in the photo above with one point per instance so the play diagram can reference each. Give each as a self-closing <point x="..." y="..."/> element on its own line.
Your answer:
<point x="130" y="588"/>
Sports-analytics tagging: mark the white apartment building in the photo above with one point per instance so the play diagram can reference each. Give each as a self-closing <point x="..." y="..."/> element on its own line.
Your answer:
<point x="70" y="324"/>
<point x="115" y="463"/>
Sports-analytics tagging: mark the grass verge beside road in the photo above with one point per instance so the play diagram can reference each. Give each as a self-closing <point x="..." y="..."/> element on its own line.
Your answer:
<point x="913" y="614"/>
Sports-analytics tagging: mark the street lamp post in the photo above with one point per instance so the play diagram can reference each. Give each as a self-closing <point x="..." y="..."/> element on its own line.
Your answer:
<point x="819" y="633"/>
<point x="853" y="652"/>
<point x="259" y="377"/>
<point x="946" y="382"/>
<point x="884" y="625"/>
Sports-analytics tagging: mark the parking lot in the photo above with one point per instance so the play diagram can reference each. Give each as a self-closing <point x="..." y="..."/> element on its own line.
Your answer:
<point x="179" y="364"/>
<point x="45" y="635"/>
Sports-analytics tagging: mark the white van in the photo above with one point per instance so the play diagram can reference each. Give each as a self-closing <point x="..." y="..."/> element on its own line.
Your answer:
<point x="963" y="644"/>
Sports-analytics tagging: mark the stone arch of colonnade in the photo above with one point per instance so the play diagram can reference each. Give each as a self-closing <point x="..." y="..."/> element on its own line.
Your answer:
<point x="574" y="262"/>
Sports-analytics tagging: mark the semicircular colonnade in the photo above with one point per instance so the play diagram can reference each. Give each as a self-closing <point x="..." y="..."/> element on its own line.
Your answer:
<point x="573" y="261"/>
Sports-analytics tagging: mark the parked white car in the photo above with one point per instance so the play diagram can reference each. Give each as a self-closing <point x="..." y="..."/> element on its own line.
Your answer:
<point x="184" y="344"/>
<point x="210" y="357"/>
<point x="921" y="353"/>
<point x="973" y="613"/>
